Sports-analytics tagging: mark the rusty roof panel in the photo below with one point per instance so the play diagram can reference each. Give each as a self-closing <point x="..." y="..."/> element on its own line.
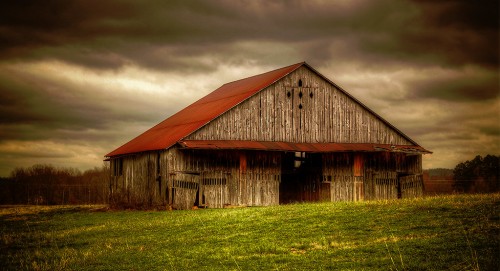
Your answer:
<point x="168" y="132"/>
<point x="298" y="147"/>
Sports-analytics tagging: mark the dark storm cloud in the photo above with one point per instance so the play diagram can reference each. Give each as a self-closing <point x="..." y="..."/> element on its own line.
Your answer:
<point x="32" y="108"/>
<point x="482" y="86"/>
<point x="490" y="130"/>
<point x="29" y="24"/>
<point x="161" y="35"/>
<point x="12" y="99"/>
<point x="460" y="31"/>
<point x="41" y="102"/>
<point x="111" y="34"/>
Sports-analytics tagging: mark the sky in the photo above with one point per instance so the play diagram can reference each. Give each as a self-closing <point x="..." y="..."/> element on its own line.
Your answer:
<point x="80" y="78"/>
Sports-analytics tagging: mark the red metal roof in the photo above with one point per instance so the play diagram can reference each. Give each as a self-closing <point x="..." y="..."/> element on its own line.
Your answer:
<point x="168" y="132"/>
<point x="298" y="147"/>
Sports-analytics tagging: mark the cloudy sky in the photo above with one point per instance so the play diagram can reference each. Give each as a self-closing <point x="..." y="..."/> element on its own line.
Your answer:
<point x="80" y="78"/>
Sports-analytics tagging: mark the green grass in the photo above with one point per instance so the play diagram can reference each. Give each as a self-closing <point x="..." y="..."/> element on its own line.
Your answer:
<point x="437" y="233"/>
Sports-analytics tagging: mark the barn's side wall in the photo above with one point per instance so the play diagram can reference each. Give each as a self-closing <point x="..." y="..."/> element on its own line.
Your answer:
<point x="183" y="178"/>
<point x="373" y="176"/>
<point x="222" y="178"/>
<point x="315" y="112"/>
<point x="138" y="181"/>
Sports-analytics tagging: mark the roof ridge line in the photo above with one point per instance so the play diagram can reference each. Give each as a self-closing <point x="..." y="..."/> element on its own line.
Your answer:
<point x="260" y="74"/>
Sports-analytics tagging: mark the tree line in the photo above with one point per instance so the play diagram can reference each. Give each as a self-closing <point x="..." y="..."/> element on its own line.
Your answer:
<point x="46" y="184"/>
<point x="481" y="174"/>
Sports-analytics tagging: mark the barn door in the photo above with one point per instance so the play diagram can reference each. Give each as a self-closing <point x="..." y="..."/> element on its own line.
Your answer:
<point x="184" y="190"/>
<point x="358" y="191"/>
<point x="301" y="178"/>
<point x="410" y="186"/>
<point x="384" y="185"/>
<point x="325" y="192"/>
<point x="214" y="190"/>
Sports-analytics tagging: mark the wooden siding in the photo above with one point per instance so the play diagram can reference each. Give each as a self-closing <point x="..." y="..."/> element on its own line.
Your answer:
<point x="314" y="112"/>
<point x="383" y="185"/>
<point x="412" y="186"/>
<point x="136" y="181"/>
<point x="345" y="188"/>
<point x="218" y="178"/>
<point x="222" y="180"/>
<point x="379" y="176"/>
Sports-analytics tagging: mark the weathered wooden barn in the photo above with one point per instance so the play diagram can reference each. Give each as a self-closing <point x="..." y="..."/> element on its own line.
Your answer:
<point x="288" y="135"/>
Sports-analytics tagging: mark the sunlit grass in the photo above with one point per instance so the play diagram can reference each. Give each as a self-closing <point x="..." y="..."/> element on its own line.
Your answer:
<point x="437" y="233"/>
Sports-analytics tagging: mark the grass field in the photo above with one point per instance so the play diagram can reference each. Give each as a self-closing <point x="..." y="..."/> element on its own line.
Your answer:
<point x="436" y="233"/>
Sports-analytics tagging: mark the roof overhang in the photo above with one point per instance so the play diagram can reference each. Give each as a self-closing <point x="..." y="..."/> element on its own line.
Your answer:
<point x="298" y="147"/>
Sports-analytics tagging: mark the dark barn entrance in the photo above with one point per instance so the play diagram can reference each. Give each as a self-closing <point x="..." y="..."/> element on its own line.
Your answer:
<point x="301" y="175"/>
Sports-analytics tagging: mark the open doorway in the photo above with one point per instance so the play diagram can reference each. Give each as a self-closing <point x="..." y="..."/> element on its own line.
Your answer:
<point x="301" y="175"/>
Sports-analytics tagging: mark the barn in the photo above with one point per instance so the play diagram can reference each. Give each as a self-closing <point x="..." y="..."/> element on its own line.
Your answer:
<point x="284" y="136"/>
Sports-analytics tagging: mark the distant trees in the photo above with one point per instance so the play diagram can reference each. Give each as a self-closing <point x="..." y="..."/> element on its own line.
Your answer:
<point x="46" y="184"/>
<point x="481" y="174"/>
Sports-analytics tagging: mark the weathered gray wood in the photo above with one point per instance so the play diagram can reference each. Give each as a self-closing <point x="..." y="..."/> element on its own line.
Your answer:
<point x="141" y="182"/>
<point x="412" y="186"/>
<point x="378" y="178"/>
<point x="329" y="116"/>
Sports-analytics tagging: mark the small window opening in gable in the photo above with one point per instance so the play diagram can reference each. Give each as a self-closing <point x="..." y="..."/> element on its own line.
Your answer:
<point x="300" y="82"/>
<point x="300" y="94"/>
<point x="288" y="94"/>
